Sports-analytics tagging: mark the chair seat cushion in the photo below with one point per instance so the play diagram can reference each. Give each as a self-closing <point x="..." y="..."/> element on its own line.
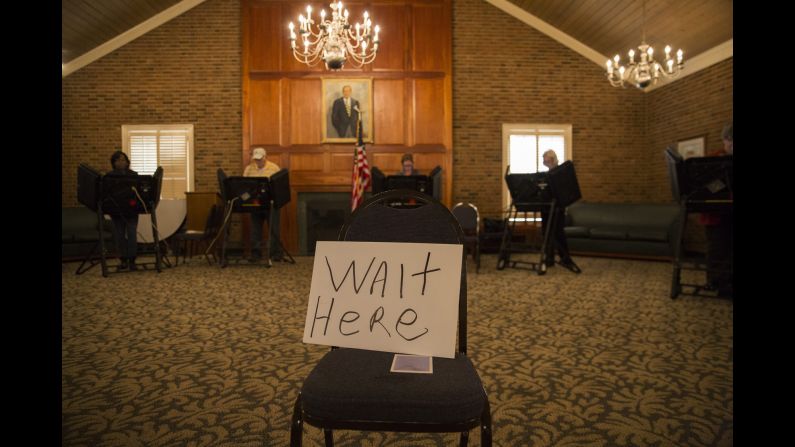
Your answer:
<point x="642" y="234"/>
<point x="190" y="235"/>
<point x="354" y="384"/>
<point x="577" y="231"/>
<point x="608" y="233"/>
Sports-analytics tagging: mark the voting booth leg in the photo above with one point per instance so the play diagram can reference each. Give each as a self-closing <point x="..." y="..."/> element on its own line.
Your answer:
<point x="507" y="246"/>
<point x="552" y="221"/>
<point x="102" y="249"/>
<point x="155" y="238"/>
<point x="701" y="263"/>
<point x="213" y="249"/>
<point x="88" y="259"/>
<point x="225" y="234"/>
<point x="278" y="240"/>
<point x="504" y="255"/>
<point x="676" y="287"/>
<point x="270" y="235"/>
<point x="288" y="257"/>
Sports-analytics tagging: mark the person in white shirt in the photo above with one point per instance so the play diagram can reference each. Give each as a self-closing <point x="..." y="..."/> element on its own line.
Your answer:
<point x="558" y="241"/>
<point x="261" y="167"/>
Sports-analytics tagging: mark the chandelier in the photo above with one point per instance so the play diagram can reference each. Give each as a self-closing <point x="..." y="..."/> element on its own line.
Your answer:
<point x="645" y="71"/>
<point x="334" y="40"/>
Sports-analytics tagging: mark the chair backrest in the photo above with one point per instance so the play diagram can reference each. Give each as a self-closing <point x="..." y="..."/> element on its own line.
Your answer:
<point x="467" y="216"/>
<point x="436" y="181"/>
<point x="431" y="222"/>
<point x="222" y="183"/>
<point x="210" y="223"/>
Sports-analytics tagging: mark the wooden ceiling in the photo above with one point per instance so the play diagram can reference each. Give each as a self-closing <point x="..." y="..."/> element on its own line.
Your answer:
<point x="87" y="24"/>
<point x="615" y="26"/>
<point x="607" y="26"/>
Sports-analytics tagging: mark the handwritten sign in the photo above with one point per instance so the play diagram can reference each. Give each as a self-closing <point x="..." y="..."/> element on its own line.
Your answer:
<point x="383" y="296"/>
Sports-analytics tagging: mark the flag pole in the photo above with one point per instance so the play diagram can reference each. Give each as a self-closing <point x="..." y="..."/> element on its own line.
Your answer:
<point x="357" y="180"/>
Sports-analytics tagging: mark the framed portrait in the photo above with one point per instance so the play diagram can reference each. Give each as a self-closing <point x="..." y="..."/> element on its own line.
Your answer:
<point x="691" y="147"/>
<point x="345" y="101"/>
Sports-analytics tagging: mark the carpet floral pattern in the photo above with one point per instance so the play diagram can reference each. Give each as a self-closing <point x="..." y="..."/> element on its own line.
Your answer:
<point x="203" y="356"/>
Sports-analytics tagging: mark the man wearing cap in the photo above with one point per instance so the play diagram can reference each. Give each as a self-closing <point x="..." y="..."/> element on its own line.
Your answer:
<point x="261" y="167"/>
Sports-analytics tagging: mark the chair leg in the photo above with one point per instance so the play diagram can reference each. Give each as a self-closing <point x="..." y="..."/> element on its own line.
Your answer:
<point x="185" y="251"/>
<point x="464" y="439"/>
<point x="477" y="257"/>
<point x="485" y="425"/>
<point x="297" y="425"/>
<point x="329" y="436"/>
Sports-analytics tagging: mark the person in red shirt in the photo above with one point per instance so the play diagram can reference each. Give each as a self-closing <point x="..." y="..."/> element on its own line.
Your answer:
<point x="719" y="231"/>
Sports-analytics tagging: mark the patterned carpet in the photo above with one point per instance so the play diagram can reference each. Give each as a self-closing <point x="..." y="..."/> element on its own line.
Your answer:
<point x="200" y="356"/>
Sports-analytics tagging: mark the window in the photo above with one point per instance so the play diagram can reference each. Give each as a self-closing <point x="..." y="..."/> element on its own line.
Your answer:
<point x="523" y="147"/>
<point x="169" y="146"/>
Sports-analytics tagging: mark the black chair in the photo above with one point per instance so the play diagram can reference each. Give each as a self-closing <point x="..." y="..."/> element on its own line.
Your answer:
<point x="352" y="389"/>
<point x="469" y="219"/>
<point x="192" y="239"/>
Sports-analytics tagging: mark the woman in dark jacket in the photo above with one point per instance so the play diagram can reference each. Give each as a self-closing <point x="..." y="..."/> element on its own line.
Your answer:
<point x="125" y="225"/>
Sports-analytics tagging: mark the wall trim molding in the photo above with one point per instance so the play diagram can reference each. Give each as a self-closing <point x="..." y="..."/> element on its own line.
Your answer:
<point x="128" y="36"/>
<point x="706" y="59"/>
<point x="544" y="27"/>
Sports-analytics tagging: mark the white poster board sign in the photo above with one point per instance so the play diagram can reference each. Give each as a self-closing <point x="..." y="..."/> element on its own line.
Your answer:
<point x="385" y="296"/>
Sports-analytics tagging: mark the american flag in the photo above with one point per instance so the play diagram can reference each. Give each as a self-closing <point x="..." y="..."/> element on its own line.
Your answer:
<point x="361" y="171"/>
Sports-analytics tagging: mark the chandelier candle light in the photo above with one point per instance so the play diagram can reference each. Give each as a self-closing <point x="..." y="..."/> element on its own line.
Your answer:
<point x="646" y="71"/>
<point x="334" y="40"/>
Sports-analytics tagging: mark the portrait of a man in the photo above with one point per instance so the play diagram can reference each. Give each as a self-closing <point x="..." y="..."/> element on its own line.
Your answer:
<point x="345" y="114"/>
<point x="345" y="102"/>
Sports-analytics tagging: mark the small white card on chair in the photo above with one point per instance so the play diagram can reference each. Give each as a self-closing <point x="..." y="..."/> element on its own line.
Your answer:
<point x="417" y="364"/>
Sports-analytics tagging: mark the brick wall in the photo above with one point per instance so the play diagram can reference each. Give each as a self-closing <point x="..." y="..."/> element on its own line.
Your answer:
<point x="510" y="73"/>
<point x="188" y="71"/>
<point x="696" y="105"/>
<point x="185" y="71"/>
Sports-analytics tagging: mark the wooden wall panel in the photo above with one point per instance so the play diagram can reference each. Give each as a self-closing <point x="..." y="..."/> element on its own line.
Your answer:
<point x="412" y="93"/>
<point x="425" y="161"/>
<point x="429" y="111"/>
<point x="388" y="163"/>
<point x="274" y="158"/>
<point x="264" y="25"/>
<point x="392" y="48"/>
<point x="431" y="32"/>
<point x="305" y="107"/>
<point x="264" y="117"/>
<point x="389" y="112"/>
<point x="342" y="162"/>
<point x="306" y="162"/>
